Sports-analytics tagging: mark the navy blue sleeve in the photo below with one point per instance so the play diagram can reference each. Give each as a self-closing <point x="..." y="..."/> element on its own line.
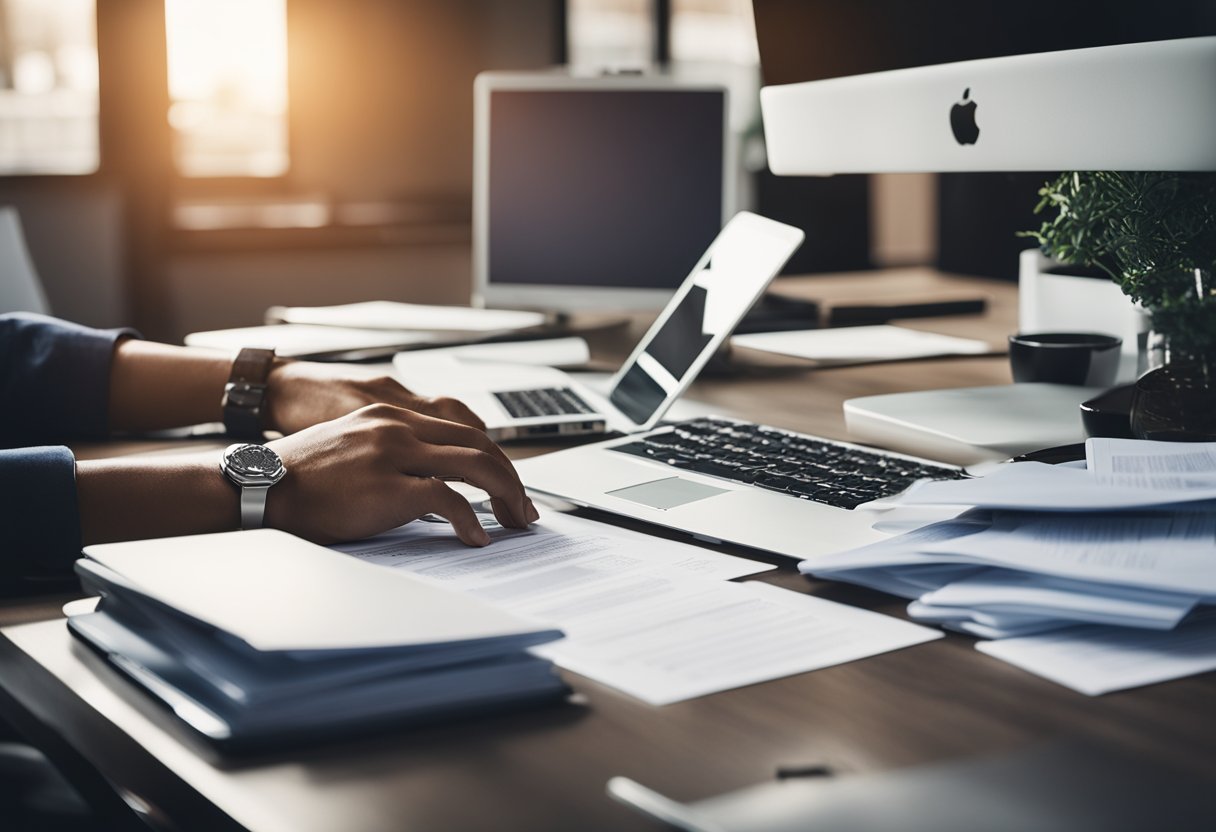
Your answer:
<point x="54" y="384"/>
<point x="38" y="513"/>
<point x="54" y="379"/>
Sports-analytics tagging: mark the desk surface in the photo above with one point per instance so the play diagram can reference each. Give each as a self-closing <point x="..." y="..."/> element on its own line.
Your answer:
<point x="546" y="770"/>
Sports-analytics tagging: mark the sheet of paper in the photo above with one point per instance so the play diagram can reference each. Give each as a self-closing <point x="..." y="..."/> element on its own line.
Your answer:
<point x="980" y="630"/>
<point x="907" y="549"/>
<point x="382" y="314"/>
<point x="1166" y="551"/>
<point x="549" y="352"/>
<point x="1152" y="466"/>
<point x="1094" y="659"/>
<point x="560" y="554"/>
<point x="855" y="344"/>
<point x="902" y="581"/>
<point x="620" y="595"/>
<point x="706" y="637"/>
<point x="294" y="340"/>
<point x="927" y="612"/>
<point x="1117" y="457"/>
<point x="1035" y="486"/>
<point x="434" y="372"/>
<point x="1002" y="591"/>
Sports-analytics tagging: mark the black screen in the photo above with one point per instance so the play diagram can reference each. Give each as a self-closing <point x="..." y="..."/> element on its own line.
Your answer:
<point x="603" y="188"/>
<point x="677" y="344"/>
<point x="809" y="40"/>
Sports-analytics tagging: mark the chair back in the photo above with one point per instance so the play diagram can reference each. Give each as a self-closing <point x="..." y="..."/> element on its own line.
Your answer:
<point x="20" y="288"/>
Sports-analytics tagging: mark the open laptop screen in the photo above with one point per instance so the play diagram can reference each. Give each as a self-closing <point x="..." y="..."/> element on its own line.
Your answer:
<point x="723" y="286"/>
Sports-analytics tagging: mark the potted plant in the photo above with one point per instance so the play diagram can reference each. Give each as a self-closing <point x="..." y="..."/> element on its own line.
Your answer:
<point x="1154" y="233"/>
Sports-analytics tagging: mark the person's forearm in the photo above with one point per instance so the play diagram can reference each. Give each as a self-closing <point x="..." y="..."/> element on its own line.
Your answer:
<point x="155" y="386"/>
<point x="127" y="498"/>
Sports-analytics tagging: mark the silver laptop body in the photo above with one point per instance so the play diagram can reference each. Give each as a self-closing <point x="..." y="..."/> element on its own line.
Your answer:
<point x="729" y="278"/>
<point x="711" y="508"/>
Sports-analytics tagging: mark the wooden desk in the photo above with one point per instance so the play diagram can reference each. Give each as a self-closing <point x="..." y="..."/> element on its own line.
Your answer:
<point x="546" y="770"/>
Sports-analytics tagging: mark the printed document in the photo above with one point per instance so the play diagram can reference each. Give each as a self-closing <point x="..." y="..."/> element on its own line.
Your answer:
<point x="651" y="617"/>
<point x="1035" y="486"/>
<point x="1152" y="465"/>
<point x="1094" y="659"/>
<point x="1004" y="592"/>
<point x="382" y="314"/>
<point x="707" y="636"/>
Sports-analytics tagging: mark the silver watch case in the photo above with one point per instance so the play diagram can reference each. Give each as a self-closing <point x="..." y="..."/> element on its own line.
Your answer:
<point x="253" y="469"/>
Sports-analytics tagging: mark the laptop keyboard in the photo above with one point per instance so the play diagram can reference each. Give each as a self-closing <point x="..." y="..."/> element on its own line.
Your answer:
<point x="778" y="460"/>
<point x="553" y="401"/>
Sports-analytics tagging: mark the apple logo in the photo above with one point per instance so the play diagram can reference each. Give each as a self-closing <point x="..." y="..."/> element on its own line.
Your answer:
<point x="962" y="120"/>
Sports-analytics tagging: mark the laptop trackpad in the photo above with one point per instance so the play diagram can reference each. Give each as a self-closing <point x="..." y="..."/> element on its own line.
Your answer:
<point x="667" y="493"/>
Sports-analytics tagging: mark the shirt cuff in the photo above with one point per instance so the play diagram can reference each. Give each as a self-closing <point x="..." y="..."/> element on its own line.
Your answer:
<point x="39" y="513"/>
<point x="61" y="386"/>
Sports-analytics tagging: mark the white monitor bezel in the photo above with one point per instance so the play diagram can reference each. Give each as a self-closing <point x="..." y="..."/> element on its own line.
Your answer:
<point x="1139" y="106"/>
<point x="570" y="298"/>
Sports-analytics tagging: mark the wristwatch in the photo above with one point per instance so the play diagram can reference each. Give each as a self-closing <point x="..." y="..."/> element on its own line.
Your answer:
<point x="252" y="469"/>
<point x="245" y="393"/>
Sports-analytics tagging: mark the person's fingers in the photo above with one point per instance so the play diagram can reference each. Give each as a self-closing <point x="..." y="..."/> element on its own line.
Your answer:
<point x="441" y="500"/>
<point x="391" y="391"/>
<point x="505" y="516"/>
<point x="454" y="410"/>
<point x="501" y="510"/>
<point x="480" y="461"/>
<point x="442" y="432"/>
<point x="477" y="468"/>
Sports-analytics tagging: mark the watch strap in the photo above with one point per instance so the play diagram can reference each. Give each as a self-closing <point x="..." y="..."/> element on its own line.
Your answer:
<point x="245" y="393"/>
<point x="253" y="506"/>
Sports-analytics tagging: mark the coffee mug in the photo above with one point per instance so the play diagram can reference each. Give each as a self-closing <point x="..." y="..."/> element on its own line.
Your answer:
<point x="1088" y="359"/>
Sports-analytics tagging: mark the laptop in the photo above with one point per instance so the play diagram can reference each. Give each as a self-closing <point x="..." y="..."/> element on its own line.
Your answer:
<point x="519" y="402"/>
<point x="726" y="480"/>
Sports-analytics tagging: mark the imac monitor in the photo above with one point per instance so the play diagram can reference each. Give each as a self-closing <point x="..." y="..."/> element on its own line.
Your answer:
<point x="880" y="86"/>
<point x="959" y="85"/>
<point x="594" y="192"/>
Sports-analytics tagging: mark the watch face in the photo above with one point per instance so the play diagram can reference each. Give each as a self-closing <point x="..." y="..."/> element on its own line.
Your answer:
<point x="253" y="463"/>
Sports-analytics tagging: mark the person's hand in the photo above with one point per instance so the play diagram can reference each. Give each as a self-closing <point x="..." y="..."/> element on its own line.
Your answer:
<point x="301" y="394"/>
<point x="380" y="466"/>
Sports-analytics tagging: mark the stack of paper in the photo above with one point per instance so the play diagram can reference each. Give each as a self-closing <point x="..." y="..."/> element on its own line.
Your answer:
<point x="391" y="315"/>
<point x="367" y="330"/>
<point x="254" y="638"/>
<point x="1064" y="563"/>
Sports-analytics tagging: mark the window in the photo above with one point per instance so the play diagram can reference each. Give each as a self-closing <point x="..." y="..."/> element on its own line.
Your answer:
<point x="716" y="31"/>
<point x="228" y="86"/>
<point x="610" y="34"/>
<point x="48" y="87"/>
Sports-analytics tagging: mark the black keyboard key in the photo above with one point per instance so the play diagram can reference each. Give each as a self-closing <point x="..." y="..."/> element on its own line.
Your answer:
<point x="800" y="466"/>
<point x="530" y="404"/>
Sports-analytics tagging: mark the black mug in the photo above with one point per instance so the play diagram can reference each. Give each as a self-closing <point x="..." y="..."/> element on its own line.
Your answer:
<point x="1088" y="359"/>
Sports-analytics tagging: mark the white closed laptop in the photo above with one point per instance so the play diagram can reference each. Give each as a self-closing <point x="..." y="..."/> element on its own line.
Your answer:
<point x="524" y="401"/>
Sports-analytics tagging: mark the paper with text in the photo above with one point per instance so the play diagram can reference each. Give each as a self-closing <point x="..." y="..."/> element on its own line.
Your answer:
<point x="705" y="637"/>
<point x="1094" y="659"/>
<point x="648" y="616"/>
<point x="1035" y="486"/>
